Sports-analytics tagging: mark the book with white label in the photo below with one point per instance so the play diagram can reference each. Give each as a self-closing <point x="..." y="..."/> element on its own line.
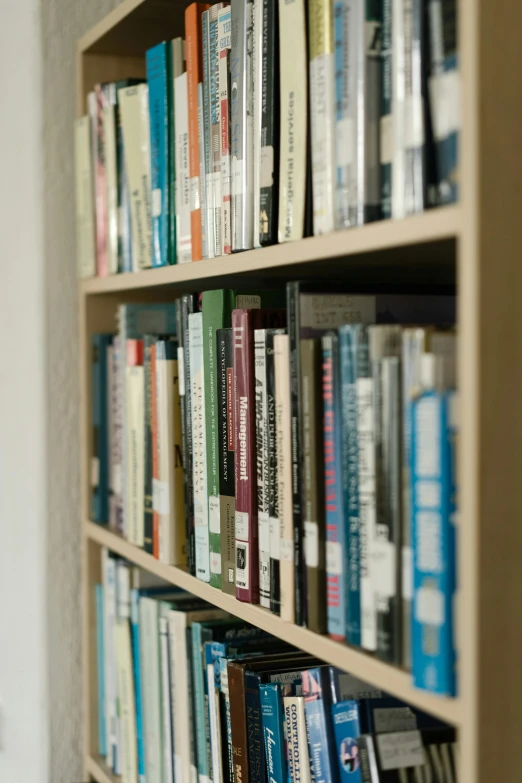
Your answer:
<point x="183" y="235"/>
<point x="135" y="420"/>
<point x="84" y="199"/>
<point x="224" y="38"/>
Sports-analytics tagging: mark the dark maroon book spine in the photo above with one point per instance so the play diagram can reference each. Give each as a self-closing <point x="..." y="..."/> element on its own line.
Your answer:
<point x="247" y="547"/>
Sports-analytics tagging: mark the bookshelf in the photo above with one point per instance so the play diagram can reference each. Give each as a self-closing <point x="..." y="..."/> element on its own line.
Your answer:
<point x="474" y="245"/>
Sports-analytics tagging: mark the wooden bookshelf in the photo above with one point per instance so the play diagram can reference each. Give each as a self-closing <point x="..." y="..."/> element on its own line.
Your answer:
<point x="475" y="246"/>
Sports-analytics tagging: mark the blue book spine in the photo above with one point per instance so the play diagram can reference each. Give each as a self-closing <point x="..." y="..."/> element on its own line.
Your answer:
<point x="199" y="701"/>
<point x="135" y="628"/>
<point x="100" y="403"/>
<point x="228" y="723"/>
<point x="336" y="567"/>
<point x="317" y="712"/>
<point x="433" y="534"/>
<point x="100" y="660"/>
<point x="157" y="78"/>
<point x="347" y="729"/>
<point x="256" y="752"/>
<point x="350" y="462"/>
<point x="272" y="720"/>
<point x="344" y="59"/>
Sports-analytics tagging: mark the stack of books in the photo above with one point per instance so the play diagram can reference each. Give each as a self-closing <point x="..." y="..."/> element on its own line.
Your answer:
<point x="267" y="123"/>
<point x="188" y="693"/>
<point x="295" y="449"/>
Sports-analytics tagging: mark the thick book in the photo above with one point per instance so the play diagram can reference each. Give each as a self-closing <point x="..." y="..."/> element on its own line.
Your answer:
<point x="149" y="392"/>
<point x="225" y="43"/>
<point x="225" y="439"/>
<point x="313" y="487"/>
<point x="293" y="121"/>
<point x="194" y="55"/>
<point x="168" y="489"/>
<point x="183" y="231"/>
<point x="100" y="671"/>
<point x="346" y="53"/>
<point x="100" y="454"/>
<point x="199" y="446"/>
<point x="318" y="705"/>
<point x="136" y="657"/>
<point x="266" y="216"/>
<point x="135" y="425"/>
<point x="126" y="702"/>
<point x="158" y="63"/>
<point x="242" y="105"/>
<point x="272" y="473"/>
<point x="284" y="476"/>
<point x="85" y="247"/>
<point x="134" y="107"/>
<point x="322" y="112"/>
<point x="244" y="322"/>
<point x="98" y="99"/>
<point x="299" y="767"/>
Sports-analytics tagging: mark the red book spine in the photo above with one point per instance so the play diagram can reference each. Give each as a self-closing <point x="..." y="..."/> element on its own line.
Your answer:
<point x="154" y="421"/>
<point x="247" y="551"/>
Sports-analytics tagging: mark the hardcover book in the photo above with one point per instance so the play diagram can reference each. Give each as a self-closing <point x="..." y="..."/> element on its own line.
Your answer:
<point x="100" y="455"/>
<point x="225" y="42"/>
<point x="149" y="376"/>
<point x="136" y="657"/>
<point x="183" y="233"/>
<point x="84" y="199"/>
<point x="98" y="100"/>
<point x="135" y="421"/>
<point x="318" y="704"/>
<point x="272" y="474"/>
<point x="111" y="173"/>
<point x="159" y="76"/>
<point x="206" y="204"/>
<point x="225" y="437"/>
<point x="299" y="766"/>
<point x="266" y="215"/>
<point x="214" y="110"/>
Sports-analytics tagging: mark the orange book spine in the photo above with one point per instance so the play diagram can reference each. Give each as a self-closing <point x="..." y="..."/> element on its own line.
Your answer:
<point x="155" y="476"/>
<point x="194" y="54"/>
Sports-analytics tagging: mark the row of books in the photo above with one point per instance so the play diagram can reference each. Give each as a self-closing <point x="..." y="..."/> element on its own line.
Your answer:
<point x="269" y="122"/>
<point x="187" y="693"/>
<point x="308" y="468"/>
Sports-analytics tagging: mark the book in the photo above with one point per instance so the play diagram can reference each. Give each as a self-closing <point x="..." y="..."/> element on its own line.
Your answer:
<point x="208" y="227"/>
<point x="200" y="478"/>
<point x="386" y="132"/>
<point x="273" y="734"/>
<point x="318" y="704"/>
<point x="136" y="139"/>
<point x="135" y="421"/>
<point x="175" y="69"/>
<point x="85" y="247"/>
<point x="257" y="98"/>
<point x="100" y="455"/>
<point x="298" y="757"/>
<point x="225" y="439"/>
<point x="203" y="156"/>
<point x="346" y="730"/>
<point x="284" y="475"/>
<point x="272" y="474"/>
<point x="194" y="55"/>
<point x="404" y="756"/>
<point x="244" y="322"/>
<point x="111" y="175"/>
<point x="183" y="224"/>
<point x="97" y="101"/>
<point x="313" y="485"/>
<point x="214" y="111"/>
<point x="166" y="714"/>
<point x="444" y="96"/>
<point x="294" y="120"/>
<point x="261" y="452"/>
<point x="149" y="391"/>
<point x="108" y="570"/>
<point x="151" y="687"/>
<point x="168" y="489"/>
<point x="322" y="111"/>
<point x="154" y="448"/>
<point x="100" y="671"/>
<point x="115" y="380"/>
<point x="125" y="255"/>
<point x="241" y="139"/>
<point x="158" y="63"/>
<point x="127" y="706"/>
<point x="136" y="657"/>
<point x="225" y="43"/>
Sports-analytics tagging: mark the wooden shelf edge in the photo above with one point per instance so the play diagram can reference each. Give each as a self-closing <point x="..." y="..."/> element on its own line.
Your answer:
<point x="434" y="225"/>
<point x="98" y="769"/>
<point x="109" y="21"/>
<point x="367" y="668"/>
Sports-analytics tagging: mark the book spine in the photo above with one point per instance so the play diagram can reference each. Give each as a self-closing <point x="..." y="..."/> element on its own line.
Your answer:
<point x="194" y="76"/>
<point x="100" y="178"/>
<point x="313" y="489"/>
<point x="183" y="235"/>
<point x="271" y="716"/>
<point x="109" y="135"/>
<point x="100" y="663"/>
<point x="350" y="474"/>
<point x="124" y="208"/>
<point x="154" y="447"/>
<point x="296" y="416"/>
<point x="228" y="759"/>
<point x="261" y="453"/>
<point x="175" y="67"/>
<point x="322" y="100"/>
<point x="284" y="475"/>
<point x="257" y="88"/>
<point x="241" y="68"/>
<point x="165" y="700"/>
<point x="433" y="497"/>
<point x="246" y="531"/>
<point x="334" y="460"/>
<point x="202" y="551"/>
<point x="367" y="489"/>
<point x="149" y="390"/>
<point x="192" y="710"/>
<point x="207" y="140"/>
<point x="346" y="730"/>
<point x="267" y="215"/>
<point x="157" y="79"/>
<point x="238" y="721"/>
<point x="150" y="678"/>
<point x="100" y="458"/>
<point x="368" y="759"/>
<point x="136" y="656"/>
<point x="294" y="120"/>
<point x="317" y="725"/>
<point x="127" y="713"/>
<point x="346" y="13"/>
<point x="136" y="137"/>
<point x="187" y="305"/>
<point x="272" y="470"/>
<point x="111" y="685"/>
<point x="225" y="439"/>
<point x="135" y="466"/>
<point x="256" y="751"/>
<point x="179" y="694"/>
<point x="84" y="203"/>
<point x="296" y="736"/>
<point x="215" y="127"/>
<point x="386" y="120"/>
<point x="224" y="36"/>
<point x="201" y="716"/>
<point x="202" y="174"/>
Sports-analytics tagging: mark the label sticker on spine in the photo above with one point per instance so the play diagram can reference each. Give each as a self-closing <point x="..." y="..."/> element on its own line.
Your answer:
<point x="242" y="565"/>
<point x="286" y="548"/>
<point x="241" y="519"/>
<point x="312" y="544"/>
<point x="214" y="515"/>
<point x="273" y="524"/>
<point x="160" y="496"/>
<point x="334" y="558"/>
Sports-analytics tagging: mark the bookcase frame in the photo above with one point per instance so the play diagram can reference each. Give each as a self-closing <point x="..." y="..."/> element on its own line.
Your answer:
<point x="475" y="245"/>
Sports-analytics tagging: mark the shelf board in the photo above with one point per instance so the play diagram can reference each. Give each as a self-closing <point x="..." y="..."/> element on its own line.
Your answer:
<point x="424" y="243"/>
<point x="367" y="668"/>
<point x="98" y="769"/>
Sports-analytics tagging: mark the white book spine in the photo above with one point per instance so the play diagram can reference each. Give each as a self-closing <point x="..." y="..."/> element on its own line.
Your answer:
<point x="84" y="199"/>
<point x="165" y="701"/>
<point x="111" y="684"/>
<point x="135" y="443"/>
<point x="257" y="38"/>
<point x="199" y="446"/>
<point x="183" y="235"/>
<point x="129" y="766"/>
<point x="298" y="756"/>
<point x="263" y="520"/>
<point x="224" y="27"/>
<point x="179" y="694"/>
<point x="202" y="176"/>
<point x="284" y="475"/>
<point x="109" y="134"/>
<point x="134" y="108"/>
<point x="150" y="679"/>
<point x="293" y="101"/>
<point x="122" y="591"/>
<point x="367" y="509"/>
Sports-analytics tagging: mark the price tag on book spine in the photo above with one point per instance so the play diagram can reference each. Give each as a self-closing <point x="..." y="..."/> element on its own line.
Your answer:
<point x="160" y="496"/>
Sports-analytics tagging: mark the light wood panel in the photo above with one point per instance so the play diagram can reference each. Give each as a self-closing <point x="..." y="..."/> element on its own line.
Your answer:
<point x="97" y="769"/>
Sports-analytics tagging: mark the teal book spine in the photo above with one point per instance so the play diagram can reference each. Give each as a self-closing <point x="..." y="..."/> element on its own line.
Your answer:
<point x="201" y="707"/>
<point x="100" y="405"/>
<point x="135" y="628"/>
<point x="100" y="660"/>
<point x="273" y="733"/>
<point x="157" y="60"/>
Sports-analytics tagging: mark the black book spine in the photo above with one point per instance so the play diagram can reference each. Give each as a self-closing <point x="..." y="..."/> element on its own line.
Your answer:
<point x="148" y="342"/>
<point x="225" y="426"/>
<point x="189" y="304"/>
<point x="191" y="717"/>
<point x="292" y="292"/>
<point x="273" y="493"/>
<point x="269" y="125"/>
